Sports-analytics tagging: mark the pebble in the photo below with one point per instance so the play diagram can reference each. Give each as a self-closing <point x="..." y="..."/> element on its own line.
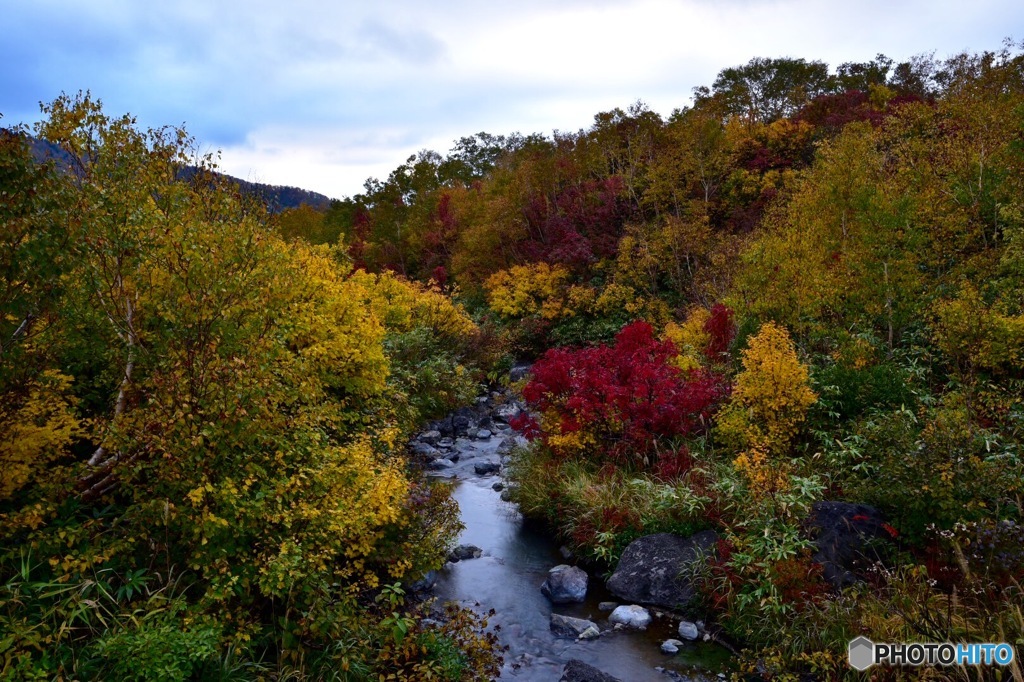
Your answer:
<point x="671" y="646"/>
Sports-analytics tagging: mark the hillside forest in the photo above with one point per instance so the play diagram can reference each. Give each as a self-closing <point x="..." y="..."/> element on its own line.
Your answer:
<point x="806" y="286"/>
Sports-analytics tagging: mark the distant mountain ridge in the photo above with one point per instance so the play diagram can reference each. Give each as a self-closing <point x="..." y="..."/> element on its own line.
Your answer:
<point x="277" y="198"/>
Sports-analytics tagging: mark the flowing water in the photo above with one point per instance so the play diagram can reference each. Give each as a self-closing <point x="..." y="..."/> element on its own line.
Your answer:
<point x="507" y="578"/>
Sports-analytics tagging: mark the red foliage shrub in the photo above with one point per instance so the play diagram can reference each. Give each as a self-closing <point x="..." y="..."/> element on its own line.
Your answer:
<point x="628" y="396"/>
<point x="722" y="329"/>
<point x="672" y="466"/>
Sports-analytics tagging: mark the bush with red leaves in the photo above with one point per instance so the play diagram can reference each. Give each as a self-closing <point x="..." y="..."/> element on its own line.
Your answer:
<point x="628" y="396"/>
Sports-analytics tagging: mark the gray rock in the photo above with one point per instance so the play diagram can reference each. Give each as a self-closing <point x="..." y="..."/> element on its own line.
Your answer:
<point x="567" y="626"/>
<point x="463" y="552"/>
<point x="848" y="538"/>
<point x="671" y="646"/>
<point x="565" y="552"/>
<point x="507" y="412"/>
<point x="442" y="426"/>
<point x="483" y="434"/>
<point x="607" y="606"/>
<point x="486" y="468"/>
<point x="426" y="583"/>
<point x="506" y="496"/>
<point x="498" y="486"/>
<point x="519" y="372"/>
<point x="632" y="616"/>
<point x="486" y="423"/>
<point x="460" y="424"/>
<point x="445" y="443"/>
<point x="424" y="450"/>
<point x="502" y="427"/>
<point x="442" y="463"/>
<point x="688" y="630"/>
<point x="565" y="585"/>
<point x="473" y="432"/>
<point x="464" y="444"/>
<point x="578" y="671"/>
<point x="649" y="569"/>
<point x="590" y="633"/>
<point x="431" y="437"/>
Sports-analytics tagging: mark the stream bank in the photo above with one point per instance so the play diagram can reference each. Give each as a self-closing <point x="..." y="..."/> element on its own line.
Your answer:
<point x="469" y="448"/>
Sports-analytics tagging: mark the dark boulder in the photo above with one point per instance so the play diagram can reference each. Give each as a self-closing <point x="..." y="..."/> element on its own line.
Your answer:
<point x="567" y="626"/>
<point x="848" y="538"/>
<point x="464" y="552"/>
<point x="442" y="426"/>
<point x="424" y="450"/>
<point x="650" y="567"/>
<point x="578" y="671"/>
<point x="519" y="372"/>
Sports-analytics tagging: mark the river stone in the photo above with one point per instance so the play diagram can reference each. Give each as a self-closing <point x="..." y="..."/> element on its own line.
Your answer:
<point x="430" y="437"/>
<point x="486" y="423"/>
<point x="507" y="412"/>
<point x="465" y="552"/>
<point x="464" y="444"/>
<point x="607" y="606"/>
<point x="671" y="646"/>
<point x="567" y="626"/>
<point x="565" y="585"/>
<point x="483" y="434"/>
<point x="578" y="671"/>
<point x="688" y="630"/>
<point x="424" y="450"/>
<point x="498" y="487"/>
<point x="847" y="537"/>
<point x="519" y="372"/>
<point x="590" y="633"/>
<point x="648" y="571"/>
<point x="632" y="616"/>
<point x="445" y="443"/>
<point x="472" y="432"/>
<point x="442" y="463"/>
<point x="486" y="468"/>
<point x="426" y="583"/>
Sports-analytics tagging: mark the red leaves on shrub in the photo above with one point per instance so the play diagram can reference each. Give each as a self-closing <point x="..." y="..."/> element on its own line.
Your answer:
<point x="628" y="395"/>
<point x="722" y="330"/>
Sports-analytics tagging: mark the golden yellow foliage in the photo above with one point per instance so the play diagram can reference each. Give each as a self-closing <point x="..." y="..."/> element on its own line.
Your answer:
<point x="525" y="290"/>
<point x="401" y="305"/>
<point x="690" y="337"/>
<point x="764" y="476"/>
<point x="977" y="336"/>
<point x="771" y="395"/>
<point x="36" y="431"/>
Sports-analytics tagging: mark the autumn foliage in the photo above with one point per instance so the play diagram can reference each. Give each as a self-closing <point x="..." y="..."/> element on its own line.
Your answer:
<point x="623" y="402"/>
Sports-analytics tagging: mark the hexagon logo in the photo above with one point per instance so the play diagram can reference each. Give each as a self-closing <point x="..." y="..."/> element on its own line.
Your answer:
<point x="862" y="653"/>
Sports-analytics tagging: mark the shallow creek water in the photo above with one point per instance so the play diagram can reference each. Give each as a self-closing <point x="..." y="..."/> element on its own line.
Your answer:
<point x="507" y="578"/>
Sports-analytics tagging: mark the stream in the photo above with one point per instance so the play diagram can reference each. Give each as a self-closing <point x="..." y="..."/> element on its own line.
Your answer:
<point x="507" y="577"/>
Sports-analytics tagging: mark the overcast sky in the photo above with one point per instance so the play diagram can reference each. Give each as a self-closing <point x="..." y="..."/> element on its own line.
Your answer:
<point x="323" y="94"/>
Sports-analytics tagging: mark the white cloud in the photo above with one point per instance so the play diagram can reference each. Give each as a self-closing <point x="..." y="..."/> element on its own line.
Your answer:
<point x="321" y="95"/>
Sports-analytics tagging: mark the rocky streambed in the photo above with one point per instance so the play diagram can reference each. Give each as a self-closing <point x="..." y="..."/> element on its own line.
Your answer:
<point x="503" y="561"/>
